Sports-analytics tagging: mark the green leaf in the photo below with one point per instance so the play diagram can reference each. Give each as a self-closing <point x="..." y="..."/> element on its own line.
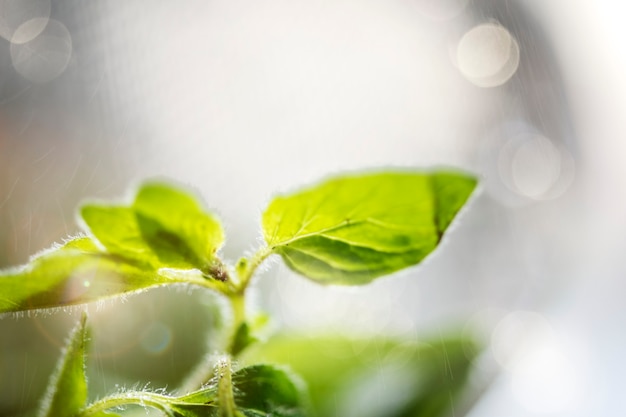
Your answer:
<point x="259" y="390"/>
<point x="263" y="390"/>
<point x="197" y="404"/>
<point x="243" y="338"/>
<point x="374" y="377"/>
<point x="164" y="227"/>
<point x="75" y="273"/>
<point x="178" y="213"/>
<point x="352" y="229"/>
<point x="67" y="390"/>
<point x="117" y="229"/>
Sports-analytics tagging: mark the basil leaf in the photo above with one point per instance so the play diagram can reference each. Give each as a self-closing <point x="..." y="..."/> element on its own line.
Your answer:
<point x="117" y="229"/>
<point x="352" y="229"/>
<point x="67" y="390"/>
<point x="262" y="390"/>
<point x="258" y="390"/>
<point x="175" y="212"/>
<point x="164" y="228"/>
<point x="75" y="273"/>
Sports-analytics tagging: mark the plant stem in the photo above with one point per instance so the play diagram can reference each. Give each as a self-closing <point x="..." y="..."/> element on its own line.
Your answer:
<point x="235" y="292"/>
<point x="225" y="397"/>
<point x="249" y="267"/>
<point x="143" y="399"/>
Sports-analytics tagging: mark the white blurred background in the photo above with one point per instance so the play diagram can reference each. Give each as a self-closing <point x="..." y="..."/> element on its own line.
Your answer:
<point x="242" y="99"/>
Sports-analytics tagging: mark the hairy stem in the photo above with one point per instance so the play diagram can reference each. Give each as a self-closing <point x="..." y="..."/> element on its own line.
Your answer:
<point x="225" y="396"/>
<point x="246" y="268"/>
<point x="144" y="399"/>
<point x="235" y="292"/>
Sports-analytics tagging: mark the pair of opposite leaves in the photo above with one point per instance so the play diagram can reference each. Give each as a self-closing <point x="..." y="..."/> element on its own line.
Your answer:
<point x="346" y="230"/>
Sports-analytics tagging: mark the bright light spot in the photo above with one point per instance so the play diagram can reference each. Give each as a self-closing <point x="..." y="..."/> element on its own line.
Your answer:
<point x="31" y="16"/>
<point x="515" y="332"/>
<point x="75" y="287"/>
<point x="87" y="284"/>
<point x="440" y="9"/>
<point x="156" y="338"/>
<point x="533" y="167"/>
<point x="545" y="381"/>
<point x="536" y="167"/>
<point x="44" y="57"/>
<point x="544" y="377"/>
<point x="488" y="55"/>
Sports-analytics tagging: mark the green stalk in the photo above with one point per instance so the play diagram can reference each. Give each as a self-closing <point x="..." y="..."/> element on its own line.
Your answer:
<point x="246" y="268"/>
<point x="225" y="396"/>
<point x="235" y="291"/>
<point x="150" y="399"/>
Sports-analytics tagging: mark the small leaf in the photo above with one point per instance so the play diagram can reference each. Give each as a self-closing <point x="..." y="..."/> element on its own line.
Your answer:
<point x="262" y="390"/>
<point x="164" y="228"/>
<point x="257" y="391"/>
<point x="352" y="229"/>
<point x="67" y="390"/>
<point x="76" y="273"/>
<point x="116" y="228"/>
<point x="123" y="233"/>
<point x="408" y="378"/>
<point x="243" y="338"/>
<point x="197" y="404"/>
<point x="176" y="212"/>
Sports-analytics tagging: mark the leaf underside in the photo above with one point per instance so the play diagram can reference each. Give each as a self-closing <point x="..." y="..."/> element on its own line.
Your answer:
<point x="352" y="229"/>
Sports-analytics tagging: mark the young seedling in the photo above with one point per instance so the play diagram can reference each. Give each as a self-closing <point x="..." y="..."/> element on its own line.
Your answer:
<point x="346" y="230"/>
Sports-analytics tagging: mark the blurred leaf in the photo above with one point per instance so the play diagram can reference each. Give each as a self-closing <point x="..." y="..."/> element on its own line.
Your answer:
<point x="374" y="378"/>
<point x="75" y="273"/>
<point x="243" y="338"/>
<point x="262" y="390"/>
<point x="352" y="229"/>
<point x="67" y="390"/>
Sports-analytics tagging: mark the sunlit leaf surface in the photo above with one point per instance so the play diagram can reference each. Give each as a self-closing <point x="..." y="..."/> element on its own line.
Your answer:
<point x="353" y="229"/>
<point x="76" y="273"/>
<point x="131" y="248"/>
<point x="166" y="210"/>
<point x="164" y="227"/>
